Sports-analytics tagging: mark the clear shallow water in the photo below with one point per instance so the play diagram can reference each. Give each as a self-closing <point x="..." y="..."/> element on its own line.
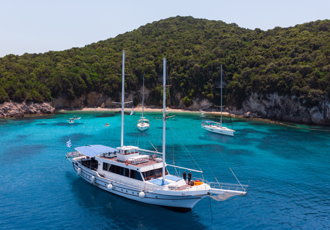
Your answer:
<point x="286" y="168"/>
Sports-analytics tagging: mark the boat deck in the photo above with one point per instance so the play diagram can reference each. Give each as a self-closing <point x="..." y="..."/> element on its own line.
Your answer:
<point x="218" y="127"/>
<point x="183" y="187"/>
<point x="150" y="162"/>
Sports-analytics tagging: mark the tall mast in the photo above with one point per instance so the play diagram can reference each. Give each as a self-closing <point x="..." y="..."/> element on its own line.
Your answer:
<point x="143" y="95"/>
<point x="221" y="97"/>
<point x="164" y="115"/>
<point x="122" y="100"/>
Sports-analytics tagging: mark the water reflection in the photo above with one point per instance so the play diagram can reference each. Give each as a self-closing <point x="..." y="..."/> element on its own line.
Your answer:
<point x="128" y="214"/>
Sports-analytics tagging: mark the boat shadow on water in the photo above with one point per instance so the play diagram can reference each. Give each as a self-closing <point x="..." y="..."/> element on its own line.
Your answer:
<point x="208" y="136"/>
<point x="129" y="214"/>
<point x="66" y="124"/>
<point x="137" y="134"/>
<point x="106" y="115"/>
<point x="74" y="137"/>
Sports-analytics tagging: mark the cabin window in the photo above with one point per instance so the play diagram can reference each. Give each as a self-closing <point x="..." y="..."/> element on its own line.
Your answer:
<point x="126" y="172"/>
<point x="132" y="174"/>
<point x="138" y="176"/>
<point x="117" y="170"/>
<point x="153" y="174"/>
<point x="120" y="171"/>
<point x="105" y="166"/>
<point x="135" y="175"/>
<point x="113" y="168"/>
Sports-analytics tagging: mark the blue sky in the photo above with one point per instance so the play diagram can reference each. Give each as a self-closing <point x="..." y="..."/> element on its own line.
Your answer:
<point x="37" y="26"/>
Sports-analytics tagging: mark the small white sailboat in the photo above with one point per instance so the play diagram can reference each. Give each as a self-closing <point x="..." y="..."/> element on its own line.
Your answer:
<point x="75" y="117"/>
<point x="216" y="127"/>
<point x="143" y="122"/>
<point x="138" y="174"/>
<point x="71" y="120"/>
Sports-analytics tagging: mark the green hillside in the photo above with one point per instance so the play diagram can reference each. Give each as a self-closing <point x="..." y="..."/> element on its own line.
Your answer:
<point x="290" y="61"/>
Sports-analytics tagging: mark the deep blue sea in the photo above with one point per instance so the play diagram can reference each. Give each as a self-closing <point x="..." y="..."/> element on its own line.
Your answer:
<point x="287" y="169"/>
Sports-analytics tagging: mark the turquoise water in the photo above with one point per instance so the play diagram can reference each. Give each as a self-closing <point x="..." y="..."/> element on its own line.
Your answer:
<point x="286" y="168"/>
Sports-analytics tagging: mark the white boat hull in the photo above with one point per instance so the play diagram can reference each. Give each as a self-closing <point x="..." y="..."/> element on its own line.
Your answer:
<point x="177" y="202"/>
<point x="219" y="130"/>
<point x="142" y="127"/>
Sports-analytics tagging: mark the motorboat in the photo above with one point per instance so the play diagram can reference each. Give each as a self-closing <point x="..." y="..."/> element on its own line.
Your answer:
<point x="75" y="117"/>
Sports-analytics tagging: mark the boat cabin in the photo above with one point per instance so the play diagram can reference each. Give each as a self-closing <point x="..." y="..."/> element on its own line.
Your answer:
<point x="124" y="161"/>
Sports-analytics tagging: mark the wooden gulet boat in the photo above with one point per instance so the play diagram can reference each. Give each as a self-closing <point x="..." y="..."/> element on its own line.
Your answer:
<point x="142" y="175"/>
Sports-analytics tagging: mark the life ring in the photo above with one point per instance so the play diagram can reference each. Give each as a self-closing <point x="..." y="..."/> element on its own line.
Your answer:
<point x="126" y="162"/>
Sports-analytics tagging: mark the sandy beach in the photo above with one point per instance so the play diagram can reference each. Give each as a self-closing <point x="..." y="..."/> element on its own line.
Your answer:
<point x="139" y="109"/>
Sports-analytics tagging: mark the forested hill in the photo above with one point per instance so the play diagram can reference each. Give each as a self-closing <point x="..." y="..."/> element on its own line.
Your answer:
<point x="290" y="61"/>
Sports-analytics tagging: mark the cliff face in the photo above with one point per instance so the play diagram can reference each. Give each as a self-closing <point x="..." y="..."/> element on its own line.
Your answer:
<point x="284" y="108"/>
<point x="14" y="109"/>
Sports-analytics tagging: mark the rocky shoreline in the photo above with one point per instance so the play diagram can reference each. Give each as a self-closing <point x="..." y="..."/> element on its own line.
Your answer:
<point x="271" y="108"/>
<point x="284" y="108"/>
<point x="15" y="109"/>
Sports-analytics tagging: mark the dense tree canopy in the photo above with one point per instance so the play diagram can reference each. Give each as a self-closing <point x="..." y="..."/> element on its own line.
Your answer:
<point x="290" y="61"/>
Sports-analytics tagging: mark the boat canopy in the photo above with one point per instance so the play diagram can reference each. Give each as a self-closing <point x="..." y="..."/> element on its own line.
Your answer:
<point x="94" y="150"/>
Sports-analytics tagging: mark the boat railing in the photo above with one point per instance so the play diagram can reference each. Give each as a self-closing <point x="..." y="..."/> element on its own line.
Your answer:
<point x="226" y="186"/>
<point x="136" y="185"/>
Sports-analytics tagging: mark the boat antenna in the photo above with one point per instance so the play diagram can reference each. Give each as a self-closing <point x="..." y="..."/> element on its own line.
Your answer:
<point x="122" y="99"/>
<point x="221" y="97"/>
<point x="164" y="115"/>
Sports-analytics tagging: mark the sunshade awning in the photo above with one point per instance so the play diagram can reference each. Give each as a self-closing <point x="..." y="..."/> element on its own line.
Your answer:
<point x="94" y="150"/>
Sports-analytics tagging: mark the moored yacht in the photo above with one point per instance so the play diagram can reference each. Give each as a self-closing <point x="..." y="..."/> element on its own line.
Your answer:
<point x="143" y="123"/>
<point x="216" y="127"/>
<point x="142" y="175"/>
